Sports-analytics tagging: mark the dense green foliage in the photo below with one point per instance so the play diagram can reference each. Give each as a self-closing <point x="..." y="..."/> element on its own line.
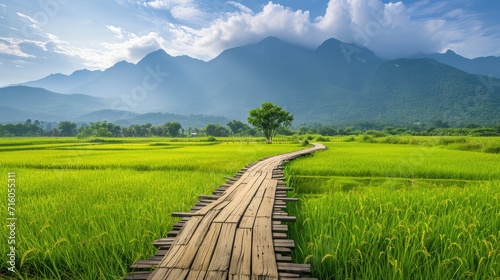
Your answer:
<point x="420" y="210"/>
<point x="269" y="118"/>
<point x="238" y="128"/>
<point x="88" y="210"/>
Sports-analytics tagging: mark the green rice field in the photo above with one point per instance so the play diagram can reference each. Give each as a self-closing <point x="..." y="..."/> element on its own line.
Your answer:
<point x="389" y="211"/>
<point x="89" y="210"/>
<point x="423" y="208"/>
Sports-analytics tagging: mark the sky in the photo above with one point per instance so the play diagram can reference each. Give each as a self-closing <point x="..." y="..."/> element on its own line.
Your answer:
<point x="41" y="37"/>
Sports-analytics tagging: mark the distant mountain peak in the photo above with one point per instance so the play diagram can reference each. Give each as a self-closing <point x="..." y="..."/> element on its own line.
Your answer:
<point x="348" y="52"/>
<point x="450" y="52"/>
<point x="121" y="63"/>
<point x="270" y="39"/>
<point x="480" y="65"/>
<point x="276" y="43"/>
<point x="57" y="75"/>
<point x="159" y="55"/>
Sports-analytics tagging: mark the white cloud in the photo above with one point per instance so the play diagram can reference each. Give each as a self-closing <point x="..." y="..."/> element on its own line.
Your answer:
<point x="241" y="7"/>
<point x="117" y="30"/>
<point x="241" y="28"/>
<point x="167" y="4"/>
<point x="12" y="46"/>
<point x="186" y="11"/>
<point x="132" y="49"/>
<point x="391" y="30"/>
<point x="25" y="17"/>
<point x="385" y="28"/>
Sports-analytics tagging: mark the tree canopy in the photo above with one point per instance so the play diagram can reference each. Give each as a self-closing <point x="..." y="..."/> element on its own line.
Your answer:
<point x="269" y="118"/>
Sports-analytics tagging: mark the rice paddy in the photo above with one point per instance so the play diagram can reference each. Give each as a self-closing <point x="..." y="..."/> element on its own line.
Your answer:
<point x="90" y="210"/>
<point x="385" y="211"/>
<point x="419" y="209"/>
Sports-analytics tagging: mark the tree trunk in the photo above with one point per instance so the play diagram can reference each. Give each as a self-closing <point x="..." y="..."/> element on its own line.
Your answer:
<point x="269" y="136"/>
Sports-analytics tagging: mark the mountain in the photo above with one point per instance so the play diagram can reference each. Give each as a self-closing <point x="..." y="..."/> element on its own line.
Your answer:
<point x="108" y="115"/>
<point x="127" y="118"/>
<point x="36" y="103"/>
<point x="336" y="82"/>
<point x="10" y="115"/>
<point x="194" y="121"/>
<point x="486" y="66"/>
<point x="64" y="83"/>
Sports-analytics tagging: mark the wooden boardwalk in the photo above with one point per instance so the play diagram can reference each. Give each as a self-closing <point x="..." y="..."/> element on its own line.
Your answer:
<point x="236" y="233"/>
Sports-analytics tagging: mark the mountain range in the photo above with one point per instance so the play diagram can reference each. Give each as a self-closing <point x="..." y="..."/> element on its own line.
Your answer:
<point x="334" y="83"/>
<point x="486" y="66"/>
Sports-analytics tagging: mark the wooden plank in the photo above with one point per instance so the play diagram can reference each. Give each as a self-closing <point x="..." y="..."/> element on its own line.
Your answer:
<point x="263" y="256"/>
<point x="221" y="258"/>
<point x="238" y="205"/>
<point x="205" y="251"/>
<point x="295" y="268"/>
<point x="284" y="243"/>
<point x="183" y="251"/>
<point x="284" y="218"/>
<point x="281" y="258"/>
<point x="288" y="199"/>
<point x="209" y="197"/>
<point x="169" y="273"/>
<point x="138" y="275"/>
<point x="163" y="242"/>
<point x="223" y="200"/>
<point x="216" y="275"/>
<point x="240" y="267"/>
<point x="267" y="205"/>
<point x="183" y="214"/>
<point x="248" y="218"/>
<point x="196" y="275"/>
<point x="280" y="228"/>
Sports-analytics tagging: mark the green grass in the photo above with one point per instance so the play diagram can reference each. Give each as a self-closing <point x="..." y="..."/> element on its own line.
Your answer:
<point x="428" y="209"/>
<point x="385" y="211"/>
<point x="399" y="161"/>
<point x="89" y="212"/>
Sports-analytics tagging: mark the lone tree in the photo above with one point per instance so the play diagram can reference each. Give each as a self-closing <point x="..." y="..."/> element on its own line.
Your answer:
<point x="269" y="118"/>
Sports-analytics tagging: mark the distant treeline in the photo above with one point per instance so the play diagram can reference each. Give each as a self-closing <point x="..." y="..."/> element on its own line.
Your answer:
<point x="234" y="128"/>
<point x="106" y="129"/>
<point x="436" y="128"/>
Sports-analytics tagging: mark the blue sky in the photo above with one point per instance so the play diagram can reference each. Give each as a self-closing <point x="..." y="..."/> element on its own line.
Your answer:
<point x="38" y="38"/>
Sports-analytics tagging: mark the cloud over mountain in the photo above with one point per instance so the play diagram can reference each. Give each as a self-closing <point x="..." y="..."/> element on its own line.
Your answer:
<point x="385" y="28"/>
<point x="96" y="34"/>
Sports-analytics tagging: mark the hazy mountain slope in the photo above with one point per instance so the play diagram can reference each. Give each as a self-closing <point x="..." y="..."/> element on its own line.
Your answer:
<point x="486" y="66"/>
<point x="10" y="115"/>
<point x="332" y="83"/>
<point x="64" y="83"/>
<point x="40" y="102"/>
<point x="422" y="90"/>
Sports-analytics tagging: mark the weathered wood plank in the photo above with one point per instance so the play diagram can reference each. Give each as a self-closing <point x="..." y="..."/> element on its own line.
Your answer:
<point x="221" y="258"/>
<point x="205" y="251"/>
<point x="238" y="205"/>
<point x="240" y="267"/>
<point x="263" y="256"/>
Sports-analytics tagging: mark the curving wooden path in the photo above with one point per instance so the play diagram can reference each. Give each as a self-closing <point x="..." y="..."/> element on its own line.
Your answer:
<point x="237" y="233"/>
